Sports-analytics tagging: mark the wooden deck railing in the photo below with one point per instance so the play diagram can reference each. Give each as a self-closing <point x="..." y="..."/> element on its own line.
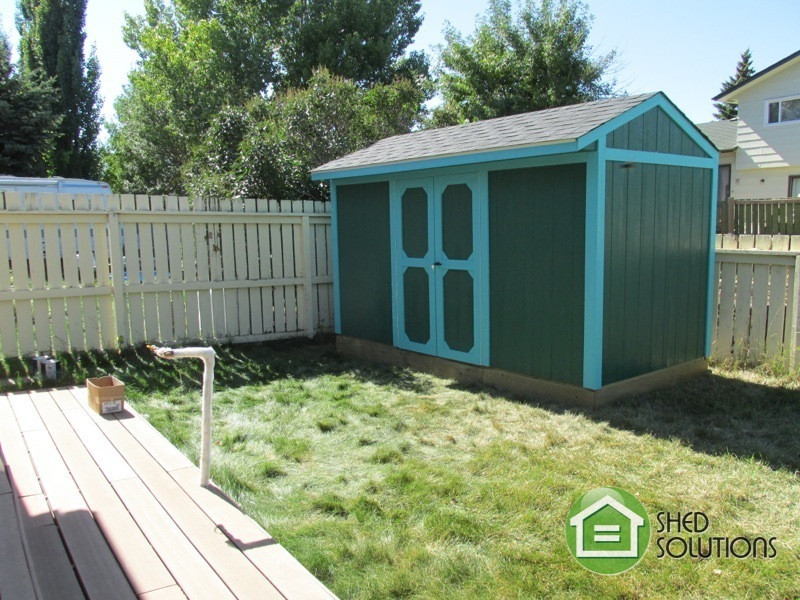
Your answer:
<point x="759" y="216"/>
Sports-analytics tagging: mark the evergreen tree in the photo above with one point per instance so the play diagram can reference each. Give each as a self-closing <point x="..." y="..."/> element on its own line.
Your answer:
<point x="744" y="70"/>
<point x="51" y="43"/>
<point x="28" y="122"/>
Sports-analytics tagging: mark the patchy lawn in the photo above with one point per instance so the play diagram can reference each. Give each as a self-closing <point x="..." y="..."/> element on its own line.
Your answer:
<point x="389" y="483"/>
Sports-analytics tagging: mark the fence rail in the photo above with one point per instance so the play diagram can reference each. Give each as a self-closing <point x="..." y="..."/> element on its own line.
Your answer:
<point x="98" y="272"/>
<point x="764" y="216"/>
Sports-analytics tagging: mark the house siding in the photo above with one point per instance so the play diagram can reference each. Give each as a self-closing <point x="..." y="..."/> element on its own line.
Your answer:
<point x="656" y="267"/>
<point x="365" y="281"/>
<point x="763" y="146"/>
<point x="537" y="220"/>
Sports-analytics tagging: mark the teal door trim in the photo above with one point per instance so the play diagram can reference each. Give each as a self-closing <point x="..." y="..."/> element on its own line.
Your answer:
<point x="594" y="268"/>
<point x="337" y="302"/>
<point x="443" y="265"/>
<point x="482" y="301"/>
<point x="404" y="262"/>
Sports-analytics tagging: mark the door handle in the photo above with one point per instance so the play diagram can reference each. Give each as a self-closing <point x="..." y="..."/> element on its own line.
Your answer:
<point x="437" y="264"/>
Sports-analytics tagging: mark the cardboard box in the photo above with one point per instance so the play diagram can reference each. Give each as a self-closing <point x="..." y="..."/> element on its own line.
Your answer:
<point x="106" y="394"/>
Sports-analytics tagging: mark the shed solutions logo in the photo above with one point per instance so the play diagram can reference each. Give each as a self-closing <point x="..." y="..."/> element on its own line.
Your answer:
<point x="608" y="530"/>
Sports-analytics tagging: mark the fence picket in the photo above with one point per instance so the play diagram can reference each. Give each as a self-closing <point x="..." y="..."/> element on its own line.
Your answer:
<point x="176" y="277"/>
<point x="105" y="303"/>
<point x="189" y="250"/>
<point x="132" y="273"/>
<point x="253" y="271"/>
<point x="279" y="292"/>
<point x="19" y="270"/>
<point x="162" y="275"/>
<point x="147" y="253"/>
<point x="240" y="270"/>
<point x="203" y="243"/>
<point x="36" y="270"/>
<point x="265" y="269"/>
<point x="8" y="332"/>
<point x="758" y="329"/>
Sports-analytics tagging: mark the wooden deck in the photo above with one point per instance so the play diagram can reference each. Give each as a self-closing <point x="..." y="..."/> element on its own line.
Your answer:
<point x="105" y="507"/>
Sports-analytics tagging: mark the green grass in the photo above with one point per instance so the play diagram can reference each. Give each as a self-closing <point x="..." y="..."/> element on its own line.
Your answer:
<point x="387" y="483"/>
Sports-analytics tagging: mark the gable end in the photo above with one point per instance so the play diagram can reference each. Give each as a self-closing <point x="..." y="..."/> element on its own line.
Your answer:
<point x="654" y="131"/>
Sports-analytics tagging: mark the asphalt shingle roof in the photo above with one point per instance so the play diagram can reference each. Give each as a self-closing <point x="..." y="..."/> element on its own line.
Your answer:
<point x="541" y="127"/>
<point x="721" y="133"/>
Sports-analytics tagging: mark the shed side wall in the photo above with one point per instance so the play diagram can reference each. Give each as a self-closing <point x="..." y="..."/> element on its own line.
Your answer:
<point x="656" y="267"/>
<point x="536" y="257"/>
<point x="365" y="280"/>
<point x="654" y="131"/>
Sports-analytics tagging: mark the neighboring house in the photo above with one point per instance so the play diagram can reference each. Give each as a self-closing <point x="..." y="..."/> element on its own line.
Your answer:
<point x="765" y="159"/>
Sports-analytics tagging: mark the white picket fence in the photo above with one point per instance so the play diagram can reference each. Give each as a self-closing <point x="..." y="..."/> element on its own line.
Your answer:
<point x="758" y="299"/>
<point x="101" y="272"/>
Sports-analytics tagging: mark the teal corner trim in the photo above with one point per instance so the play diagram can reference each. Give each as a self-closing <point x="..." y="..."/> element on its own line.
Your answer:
<point x="450" y="161"/>
<point x="667" y="106"/>
<point x="712" y="284"/>
<point x="337" y="302"/>
<point x="483" y="266"/>
<point x="594" y="269"/>
<point x="395" y="245"/>
<point x="659" y="158"/>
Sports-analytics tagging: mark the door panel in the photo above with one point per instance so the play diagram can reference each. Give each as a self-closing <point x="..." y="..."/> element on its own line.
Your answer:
<point x="437" y="221"/>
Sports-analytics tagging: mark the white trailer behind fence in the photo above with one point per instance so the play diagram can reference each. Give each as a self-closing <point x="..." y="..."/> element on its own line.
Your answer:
<point x="100" y="272"/>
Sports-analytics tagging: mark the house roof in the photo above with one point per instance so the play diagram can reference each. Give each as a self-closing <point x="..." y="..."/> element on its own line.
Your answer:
<point x="721" y="133"/>
<point x="731" y="94"/>
<point x="550" y="126"/>
<point x="602" y="503"/>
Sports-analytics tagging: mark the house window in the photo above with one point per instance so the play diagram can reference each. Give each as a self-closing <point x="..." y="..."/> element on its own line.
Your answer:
<point x="794" y="186"/>
<point x="783" y="110"/>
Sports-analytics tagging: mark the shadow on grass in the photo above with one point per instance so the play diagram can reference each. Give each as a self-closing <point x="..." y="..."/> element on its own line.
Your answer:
<point x="715" y="414"/>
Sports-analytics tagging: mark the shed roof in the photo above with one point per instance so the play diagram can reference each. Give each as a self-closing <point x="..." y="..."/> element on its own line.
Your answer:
<point x="563" y="124"/>
<point x="721" y="133"/>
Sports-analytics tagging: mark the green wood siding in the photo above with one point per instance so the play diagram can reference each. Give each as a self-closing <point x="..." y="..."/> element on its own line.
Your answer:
<point x="656" y="267"/>
<point x="536" y="260"/>
<point x="365" y="281"/>
<point x="654" y="131"/>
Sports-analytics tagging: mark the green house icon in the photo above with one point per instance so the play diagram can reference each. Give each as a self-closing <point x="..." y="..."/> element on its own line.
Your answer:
<point x="607" y="529"/>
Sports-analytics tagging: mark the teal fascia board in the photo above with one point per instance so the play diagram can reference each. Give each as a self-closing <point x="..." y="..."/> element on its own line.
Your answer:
<point x="337" y="302"/>
<point x="659" y="100"/>
<point x="594" y="270"/>
<point x="659" y="158"/>
<point x="712" y="282"/>
<point x="450" y="161"/>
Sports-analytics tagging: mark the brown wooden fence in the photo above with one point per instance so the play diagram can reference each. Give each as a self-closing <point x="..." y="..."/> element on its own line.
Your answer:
<point x="763" y="216"/>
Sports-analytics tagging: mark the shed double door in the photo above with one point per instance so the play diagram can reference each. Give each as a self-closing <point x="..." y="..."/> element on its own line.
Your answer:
<point x="438" y="266"/>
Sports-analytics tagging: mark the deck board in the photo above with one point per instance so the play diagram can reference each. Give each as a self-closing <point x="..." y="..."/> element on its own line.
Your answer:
<point x="142" y="565"/>
<point x="53" y="575"/>
<point x="15" y="579"/>
<point x="104" y="506"/>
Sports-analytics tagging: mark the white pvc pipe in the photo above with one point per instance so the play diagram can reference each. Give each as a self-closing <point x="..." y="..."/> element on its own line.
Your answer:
<point x="208" y="356"/>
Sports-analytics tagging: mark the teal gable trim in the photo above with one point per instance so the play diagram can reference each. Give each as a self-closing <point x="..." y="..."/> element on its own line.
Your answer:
<point x="667" y="106"/>
<point x="712" y="284"/>
<point x="660" y="158"/>
<point x="337" y="301"/>
<point x="450" y="161"/>
<point x="595" y="269"/>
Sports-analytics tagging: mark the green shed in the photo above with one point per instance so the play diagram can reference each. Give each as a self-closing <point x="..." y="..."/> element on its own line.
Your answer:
<point x="565" y="252"/>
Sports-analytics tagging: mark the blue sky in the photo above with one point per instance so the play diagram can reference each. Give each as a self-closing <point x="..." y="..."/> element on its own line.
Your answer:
<point x="685" y="48"/>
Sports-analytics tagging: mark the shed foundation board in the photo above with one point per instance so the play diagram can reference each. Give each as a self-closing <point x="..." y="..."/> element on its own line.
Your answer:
<point x="516" y="383"/>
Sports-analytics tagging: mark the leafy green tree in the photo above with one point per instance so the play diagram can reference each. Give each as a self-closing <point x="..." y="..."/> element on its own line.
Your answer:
<point x="744" y="70"/>
<point x="28" y="123"/>
<point x="268" y="149"/>
<point x="51" y="46"/>
<point x="538" y="58"/>
<point x="201" y="62"/>
<point x="362" y="40"/>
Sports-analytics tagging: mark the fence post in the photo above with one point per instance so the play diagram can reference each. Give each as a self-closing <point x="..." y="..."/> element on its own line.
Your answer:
<point x="731" y="216"/>
<point x="117" y="278"/>
<point x="794" y="341"/>
<point x="308" y="284"/>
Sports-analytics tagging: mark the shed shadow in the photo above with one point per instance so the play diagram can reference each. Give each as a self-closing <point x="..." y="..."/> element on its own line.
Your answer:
<point x="713" y="414"/>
